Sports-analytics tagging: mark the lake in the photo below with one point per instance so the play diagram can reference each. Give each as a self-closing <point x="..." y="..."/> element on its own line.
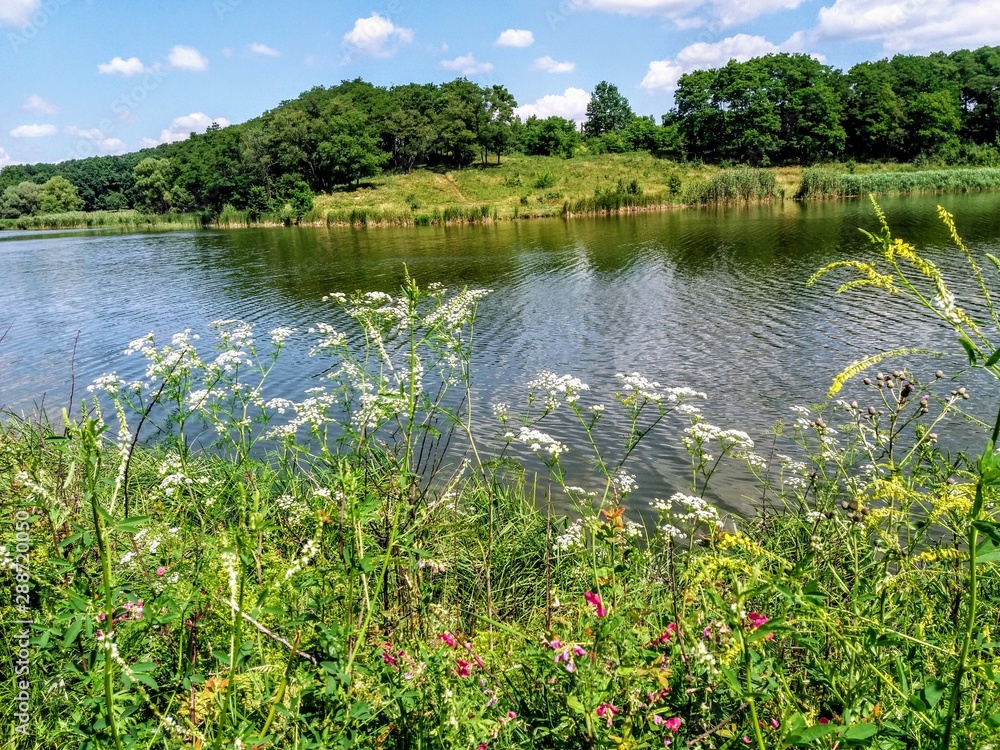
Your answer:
<point x="710" y="298"/>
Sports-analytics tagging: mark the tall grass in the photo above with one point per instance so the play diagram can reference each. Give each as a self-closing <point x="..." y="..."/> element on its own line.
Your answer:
<point x="735" y="186"/>
<point x="100" y="219"/>
<point x="824" y="183"/>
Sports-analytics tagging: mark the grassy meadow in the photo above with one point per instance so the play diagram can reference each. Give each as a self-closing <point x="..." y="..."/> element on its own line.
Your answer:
<point x="196" y="561"/>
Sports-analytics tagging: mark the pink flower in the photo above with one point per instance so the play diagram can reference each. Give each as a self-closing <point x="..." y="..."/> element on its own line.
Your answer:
<point x="658" y="720"/>
<point x="511" y="715"/>
<point x="823" y="720"/>
<point x="667" y="634"/>
<point x="160" y="571"/>
<point x="667" y="742"/>
<point x="774" y="723"/>
<point x="448" y="638"/>
<point x="464" y="667"/>
<point x="674" y="724"/>
<point x="746" y="740"/>
<point x="595" y="601"/>
<point x="579" y="650"/>
<point x="756" y="619"/>
<point x="482" y="746"/>
<point x="606" y="709"/>
<point x="388" y="657"/>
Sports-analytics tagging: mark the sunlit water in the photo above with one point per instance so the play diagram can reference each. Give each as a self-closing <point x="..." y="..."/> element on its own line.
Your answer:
<point x="714" y="299"/>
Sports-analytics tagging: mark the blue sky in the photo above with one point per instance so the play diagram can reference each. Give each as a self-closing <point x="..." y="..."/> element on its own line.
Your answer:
<point x="82" y="77"/>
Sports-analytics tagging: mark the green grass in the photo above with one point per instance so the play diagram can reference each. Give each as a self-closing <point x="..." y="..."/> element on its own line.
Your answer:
<point x="99" y="219"/>
<point x="827" y="183"/>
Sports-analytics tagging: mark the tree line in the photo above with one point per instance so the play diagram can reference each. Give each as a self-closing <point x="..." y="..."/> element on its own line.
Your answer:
<point x="777" y="109"/>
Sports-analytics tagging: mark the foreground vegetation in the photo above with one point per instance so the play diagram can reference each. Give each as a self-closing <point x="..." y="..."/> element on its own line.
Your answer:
<point x="207" y="564"/>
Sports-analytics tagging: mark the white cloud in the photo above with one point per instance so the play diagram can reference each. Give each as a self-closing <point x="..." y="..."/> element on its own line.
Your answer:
<point x="724" y="12"/>
<point x="664" y="74"/>
<point x="96" y="136"/>
<point x="119" y="67"/>
<point x="262" y="49"/>
<point x="182" y="127"/>
<point x="376" y="36"/>
<point x="915" y="26"/>
<point x="5" y="158"/>
<point x="552" y="66"/>
<point x="34" y="131"/>
<point x="182" y="57"/>
<point x="18" y="12"/>
<point x="467" y="65"/>
<point x="571" y="104"/>
<point x="37" y="105"/>
<point x="515" y="38"/>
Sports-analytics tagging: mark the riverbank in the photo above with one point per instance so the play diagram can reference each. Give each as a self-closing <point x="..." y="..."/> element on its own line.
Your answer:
<point x="285" y="588"/>
<point x="528" y="187"/>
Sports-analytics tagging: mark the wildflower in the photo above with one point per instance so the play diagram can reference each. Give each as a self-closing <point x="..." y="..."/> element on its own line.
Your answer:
<point x="673" y="724"/>
<point x="594" y="600"/>
<point x="774" y="723"/>
<point x="756" y="619"/>
<point x="606" y="709"/>
<point x="464" y="667"/>
<point x="448" y="638"/>
<point x="823" y="720"/>
<point x="667" y="634"/>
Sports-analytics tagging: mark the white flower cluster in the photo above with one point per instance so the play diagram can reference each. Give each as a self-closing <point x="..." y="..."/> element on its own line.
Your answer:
<point x="109" y="383"/>
<point x="538" y="441"/>
<point x="501" y="412"/>
<point x="330" y="339"/>
<point x="312" y="411"/>
<point x="234" y="333"/>
<point x="293" y="508"/>
<point x="36" y="490"/>
<point x="558" y="388"/>
<point x="172" y="475"/>
<point x="689" y="510"/>
<point x="281" y="334"/>
<point x="457" y="311"/>
<point x="624" y="482"/>
<point x="571" y="538"/>
<point x="309" y="552"/>
<point x="231" y="565"/>
<point x="635" y="387"/>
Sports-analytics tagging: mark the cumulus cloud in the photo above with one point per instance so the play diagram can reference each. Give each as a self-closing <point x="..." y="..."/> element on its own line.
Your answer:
<point x="18" y="12"/>
<point x="96" y="136"/>
<point x="515" y="38"/>
<point x="376" y="36"/>
<point x="37" y="105"/>
<point x="34" y="131"/>
<point x="916" y="26"/>
<point x="182" y="127"/>
<point x="571" y="104"/>
<point x="262" y="49"/>
<point x="553" y="66"/>
<point x="467" y="65"/>
<point x="120" y="67"/>
<point x="662" y="75"/>
<point x="692" y="13"/>
<point x="182" y="57"/>
<point x="5" y="158"/>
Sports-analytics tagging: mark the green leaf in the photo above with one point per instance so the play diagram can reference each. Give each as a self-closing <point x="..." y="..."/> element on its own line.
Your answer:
<point x="993" y="721"/>
<point x="988" y="528"/>
<point x="574" y="704"/>
<point x="132" y="524"/>
<point x="72" y="632"/>
<point x="969" y="347"/>
<point x="994" y="358"/>
<point x="811" y="734"/>
<point x="933" y="691"/>
<point x="860" y="732"/>
<point x="987" y="551"/>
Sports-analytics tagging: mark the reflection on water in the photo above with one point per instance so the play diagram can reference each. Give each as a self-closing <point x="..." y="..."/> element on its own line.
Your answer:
<point x="710" y="298"/>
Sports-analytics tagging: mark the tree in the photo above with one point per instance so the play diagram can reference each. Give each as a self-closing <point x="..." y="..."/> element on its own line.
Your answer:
<point x="497" y="133"/>
<point x="608" y="111"/>
<point x="349" y="151"/>
<point x="153" y="180"/>
<point x="553" y="136"/>
<point x="873" y="117"/>
<point x="23" y="199"/>
<point x="58" y="196"/>
<point x="933" y="119"/>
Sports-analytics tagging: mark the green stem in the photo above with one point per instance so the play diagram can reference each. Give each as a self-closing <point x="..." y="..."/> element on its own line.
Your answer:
<point x="109" y="607"/>
<point x="751" y="701"/>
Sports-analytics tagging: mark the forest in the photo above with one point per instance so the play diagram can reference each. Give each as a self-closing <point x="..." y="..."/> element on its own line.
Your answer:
<point x="780" y="109"/>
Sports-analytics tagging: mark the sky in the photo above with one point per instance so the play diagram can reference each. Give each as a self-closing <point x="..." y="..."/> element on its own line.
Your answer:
<point x="81" y="78"/>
